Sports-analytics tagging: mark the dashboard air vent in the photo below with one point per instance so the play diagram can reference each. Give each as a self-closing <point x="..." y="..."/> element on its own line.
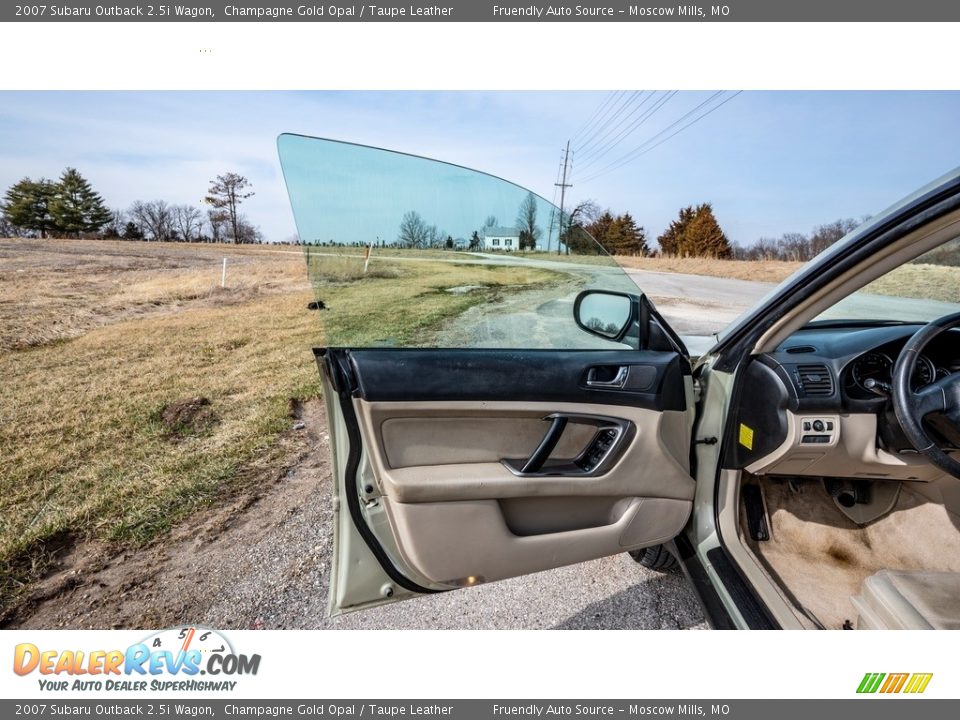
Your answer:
<point x="801" y="349"/>
<point x="815" y="379"/>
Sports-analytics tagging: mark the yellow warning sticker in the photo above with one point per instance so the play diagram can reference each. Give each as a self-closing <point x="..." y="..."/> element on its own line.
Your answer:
<point x="746" y="436"/>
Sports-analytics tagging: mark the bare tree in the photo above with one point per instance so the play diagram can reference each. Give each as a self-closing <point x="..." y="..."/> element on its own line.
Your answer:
<point x="584" y="213"/>
<point x="824" y="236"/>
<point x="434" y="238"/>
<point x="413" y="230"/>
<point x="218" y="222"/>
<point x="527" y="223"/>
<point x="7" y="228"/>
<point x="247" y="232"/>
<point x="153" y="218"/>
<point x="188" y="220"/>
<point x="226" y="193"/>
<point x="114" y="227"/>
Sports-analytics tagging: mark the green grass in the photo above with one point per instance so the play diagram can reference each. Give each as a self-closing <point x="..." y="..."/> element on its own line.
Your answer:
<point x="399" y="304"/>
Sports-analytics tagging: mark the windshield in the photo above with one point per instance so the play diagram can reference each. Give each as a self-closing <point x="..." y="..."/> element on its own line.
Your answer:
<point x="917" y="292"/>
<point x="403" y="251"/>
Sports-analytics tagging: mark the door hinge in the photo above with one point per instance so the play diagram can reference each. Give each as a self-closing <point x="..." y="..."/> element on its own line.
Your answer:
<point x="706" y="441"/>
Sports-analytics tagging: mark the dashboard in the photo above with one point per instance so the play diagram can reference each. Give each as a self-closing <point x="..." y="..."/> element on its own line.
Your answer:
<point x="820" y="404"/>
<point x="872" y="372"/>
<point x="851" y="357"/>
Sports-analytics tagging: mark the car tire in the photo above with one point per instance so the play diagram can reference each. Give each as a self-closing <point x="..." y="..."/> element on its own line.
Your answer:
<point x="655" y="558"/>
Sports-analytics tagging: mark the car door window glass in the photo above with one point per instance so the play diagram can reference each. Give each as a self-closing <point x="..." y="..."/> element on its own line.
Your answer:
<point x="403" y="251"/>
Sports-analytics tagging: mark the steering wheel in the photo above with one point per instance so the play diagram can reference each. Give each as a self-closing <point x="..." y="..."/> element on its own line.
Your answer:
<point x="941" y="396"/>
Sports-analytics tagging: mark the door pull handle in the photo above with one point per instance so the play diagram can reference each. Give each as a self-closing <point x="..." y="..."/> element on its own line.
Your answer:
<point x="617" y="383"/>
<point x="546" y="446"/>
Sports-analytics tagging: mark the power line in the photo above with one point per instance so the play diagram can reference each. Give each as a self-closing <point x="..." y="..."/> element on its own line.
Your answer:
<point x="605" y="108"/>
<point x="583" y="127"/>
<point x="617" y="109"/>
<point x="600" y="131"/>
<point x="626" y="118"/>
<point x="667" y="128"/>
<point x="624" y="134"/>
<point x="646" y="146"/>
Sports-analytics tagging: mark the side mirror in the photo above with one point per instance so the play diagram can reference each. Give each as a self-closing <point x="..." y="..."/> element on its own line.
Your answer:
<point x="606" y="314"/>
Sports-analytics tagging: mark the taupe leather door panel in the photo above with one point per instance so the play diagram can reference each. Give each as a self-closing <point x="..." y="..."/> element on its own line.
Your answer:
<point x="459" y="516"/>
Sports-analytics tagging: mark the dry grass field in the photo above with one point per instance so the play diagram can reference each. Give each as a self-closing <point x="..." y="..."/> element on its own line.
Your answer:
<point x="98" y="341"/>
<point x="760" y="270"/>
<point x="137" y="391"/>
<point x="933" y="282"/>
<point x="916" y="280"/>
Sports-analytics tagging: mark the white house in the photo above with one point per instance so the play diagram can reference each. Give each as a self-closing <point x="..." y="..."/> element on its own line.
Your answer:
<point x="501" y="238"/>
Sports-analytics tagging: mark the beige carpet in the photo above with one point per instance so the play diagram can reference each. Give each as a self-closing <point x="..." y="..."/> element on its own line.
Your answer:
<point x="821" y="557"/>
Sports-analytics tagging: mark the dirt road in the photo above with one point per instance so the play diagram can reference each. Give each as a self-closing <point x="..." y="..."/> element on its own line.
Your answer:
<point x="263" y="561"/>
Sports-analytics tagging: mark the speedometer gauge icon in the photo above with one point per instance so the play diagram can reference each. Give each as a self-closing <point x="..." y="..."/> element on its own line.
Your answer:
<point x="189" y="637"/>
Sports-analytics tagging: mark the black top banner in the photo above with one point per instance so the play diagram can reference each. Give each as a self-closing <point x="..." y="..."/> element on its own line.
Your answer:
<point x="484" y="11"/>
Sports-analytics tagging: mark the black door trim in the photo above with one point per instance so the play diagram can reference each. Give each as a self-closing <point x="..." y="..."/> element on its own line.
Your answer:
<point x="490" y="375"/>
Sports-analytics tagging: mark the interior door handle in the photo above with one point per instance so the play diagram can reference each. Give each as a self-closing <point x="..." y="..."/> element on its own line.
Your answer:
<point x="546" y="446"/>
<point x="619" y="380"/>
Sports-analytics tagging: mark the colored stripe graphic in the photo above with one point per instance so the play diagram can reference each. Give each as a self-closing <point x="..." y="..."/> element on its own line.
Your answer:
<point x="918" y="682"/>
<point x="914" y="683"/>
<point x="870" y="682"/>
<point x="894" y="683"/>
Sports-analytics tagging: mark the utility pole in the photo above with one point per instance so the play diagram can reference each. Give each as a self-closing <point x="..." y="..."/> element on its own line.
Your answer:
<point x="563" y="190"/>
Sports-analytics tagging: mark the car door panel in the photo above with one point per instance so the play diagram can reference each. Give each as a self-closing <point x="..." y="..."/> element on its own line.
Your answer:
<point x="447" y="509"/>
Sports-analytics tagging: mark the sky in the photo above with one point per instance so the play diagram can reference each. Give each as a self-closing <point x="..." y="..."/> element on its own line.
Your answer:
<point x="769" y="162"/>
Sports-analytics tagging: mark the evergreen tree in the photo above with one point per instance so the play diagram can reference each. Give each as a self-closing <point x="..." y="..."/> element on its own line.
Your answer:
<point x="579" y="242"/>
<point x="601" y="227"/>
<point x="619" y="235"/>
<point x="695" y="233"/>
<point x="132" y="232"/>
<point x="76" y="208"/>
<point x="630" y="238"/>
<point x="672" y="238"/>
<point x="27" y="205"/>
<point x="704" y="237"/>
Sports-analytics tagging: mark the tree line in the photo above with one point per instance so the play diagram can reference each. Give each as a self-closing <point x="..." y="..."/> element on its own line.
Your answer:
<point x="695" y="233"/>
<point x="70" y="207"/>
<point x="415" y="232"/>
<point x="797" y="247"/>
